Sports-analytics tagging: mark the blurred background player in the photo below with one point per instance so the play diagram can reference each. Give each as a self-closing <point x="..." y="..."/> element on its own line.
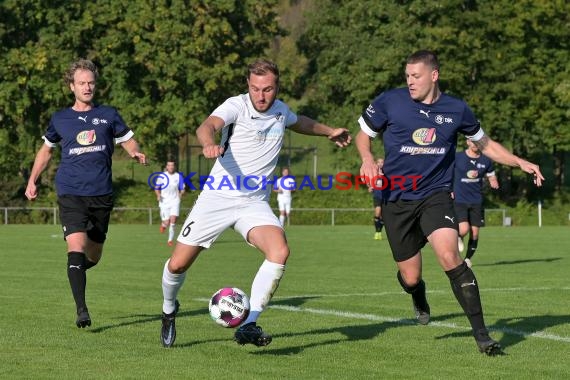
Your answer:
<point x="470" y="168"/>
<point x="377" y="201"/>
<point x="284" y="188"/>
<point x="86" y="133"/>
<point x="168" y="198"/>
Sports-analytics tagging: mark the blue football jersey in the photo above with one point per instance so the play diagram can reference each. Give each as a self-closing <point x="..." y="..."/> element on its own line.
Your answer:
<point x="468" y="177"/>
<point x="419" y="140"/>
<point x="87" y="142"/>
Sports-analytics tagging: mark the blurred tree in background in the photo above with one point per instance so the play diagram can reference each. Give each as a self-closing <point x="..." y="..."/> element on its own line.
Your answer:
<point x="166" y="64"/>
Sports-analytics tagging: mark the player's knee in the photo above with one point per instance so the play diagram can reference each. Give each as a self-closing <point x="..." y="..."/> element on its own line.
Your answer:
<point x="177" y="267"/>
<point x="409" y="281"/>
<point x="278" y="255"/>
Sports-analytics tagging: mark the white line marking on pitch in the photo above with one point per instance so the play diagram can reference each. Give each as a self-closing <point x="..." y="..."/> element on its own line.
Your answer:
<point x="429" y="292"/>
<point x="373" y="317"/>
<point x="401" y="321"/>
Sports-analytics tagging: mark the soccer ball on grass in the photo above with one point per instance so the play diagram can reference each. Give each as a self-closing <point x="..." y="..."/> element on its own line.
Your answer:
<point x="229" y="307"/>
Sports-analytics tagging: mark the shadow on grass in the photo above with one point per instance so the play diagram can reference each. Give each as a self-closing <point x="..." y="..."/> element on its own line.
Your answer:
<point x="145" y="318"/>
<point x="516" y="330"/>
<point x="351" y="333"/>
<point x="529" y="261"/>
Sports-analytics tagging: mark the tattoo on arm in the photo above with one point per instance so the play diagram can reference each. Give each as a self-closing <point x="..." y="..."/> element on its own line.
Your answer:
<point x="482" y="143"/>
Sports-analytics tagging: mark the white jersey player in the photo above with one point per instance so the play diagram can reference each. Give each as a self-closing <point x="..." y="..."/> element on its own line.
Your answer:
<point x="237" y="191"/>
<point x="284" y="188"/>
<point x="168" y="198"/>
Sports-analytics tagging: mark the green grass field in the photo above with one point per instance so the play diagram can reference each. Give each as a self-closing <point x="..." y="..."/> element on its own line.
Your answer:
<point x="339" y="312"/>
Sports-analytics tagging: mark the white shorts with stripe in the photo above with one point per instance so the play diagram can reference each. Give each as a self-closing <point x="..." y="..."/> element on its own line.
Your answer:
<point x="213" y="214"/>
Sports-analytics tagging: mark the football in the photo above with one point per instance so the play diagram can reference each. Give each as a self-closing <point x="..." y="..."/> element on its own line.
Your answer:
<point x="229" y="307"/>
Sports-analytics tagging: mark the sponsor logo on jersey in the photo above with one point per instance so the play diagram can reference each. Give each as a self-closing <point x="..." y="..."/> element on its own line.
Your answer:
<point x="440" y="119"/>
<point x="413" y="150"/>
<point x="424" y="136"/>
<point x="472" y="174"/>
<point x="97" y="121"/>
<point x="87" y="149"/>
<point x="86" y="137"/>
<point x="269" y="134"/>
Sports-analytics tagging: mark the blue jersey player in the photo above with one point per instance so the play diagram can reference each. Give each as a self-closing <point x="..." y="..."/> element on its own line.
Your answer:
<point x="86" y="133"/>
<point x="419" y="126"/>
<point x="471" y="167"/>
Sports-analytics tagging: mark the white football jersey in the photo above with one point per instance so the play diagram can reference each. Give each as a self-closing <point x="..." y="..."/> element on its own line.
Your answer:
<point x="169" y="194"/>
<point x="252" y="142"/>
<point x="286" y="184"/>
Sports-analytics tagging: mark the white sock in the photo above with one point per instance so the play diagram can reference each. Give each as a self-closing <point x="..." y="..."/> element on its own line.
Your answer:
<point x="171" y="284"/>
<point x="264" y="285"/>
<point x="282" y="220"/>
<point x="171" y="232"/>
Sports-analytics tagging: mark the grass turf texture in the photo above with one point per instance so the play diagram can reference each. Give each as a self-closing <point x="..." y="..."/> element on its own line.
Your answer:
<point x="339" y="312"/>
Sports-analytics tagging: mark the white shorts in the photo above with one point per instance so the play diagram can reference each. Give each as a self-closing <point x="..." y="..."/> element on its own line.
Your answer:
<point x="212" y="215"/>
<point x="284" y="204"/>
<point x="169" y="209"/>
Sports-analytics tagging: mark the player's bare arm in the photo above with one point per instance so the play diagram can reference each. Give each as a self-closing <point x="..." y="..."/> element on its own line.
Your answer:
<point x="206" y="134"/>
<point x="40" y="163"/>
<point x="307" y="126"/>
<point x="132" y="148"/>
<point x="368" y="169"/>
<point x="500" y="154"/>
<point x="493" y="181"/>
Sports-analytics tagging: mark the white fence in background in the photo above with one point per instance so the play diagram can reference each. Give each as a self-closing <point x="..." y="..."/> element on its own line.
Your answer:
<point x="50" y="214"/>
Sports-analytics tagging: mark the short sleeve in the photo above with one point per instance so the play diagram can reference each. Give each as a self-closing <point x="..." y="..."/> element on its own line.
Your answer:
<point x="229" y="110"/>
<point x="470" y="126"/>
<point x="291" y="118"/>
<point x="121" y="132"/>
<point x="374" y="118"/>
<point x="51" y="137"/>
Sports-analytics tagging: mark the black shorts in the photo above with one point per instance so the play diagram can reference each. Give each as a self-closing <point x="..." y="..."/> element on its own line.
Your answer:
<point x="85" y="214"/>
<point x="470" y="212"/>
<point x="377" y="201"/>
<point x="408" y="223"/>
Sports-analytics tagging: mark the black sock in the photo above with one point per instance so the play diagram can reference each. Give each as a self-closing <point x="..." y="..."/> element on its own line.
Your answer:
<point x="466" y="290"/>
<point x="471" y="248"/>
<point x="378" y="224"/>
<point x="417" y="291"/>
<point x="77" y="278"/>
<point x="89" y="264"/>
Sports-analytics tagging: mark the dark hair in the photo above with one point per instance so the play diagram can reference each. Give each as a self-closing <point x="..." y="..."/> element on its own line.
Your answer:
<point x="263" y="67"/>
<point x="80" y="64"/>
<point x="425" y="56"/>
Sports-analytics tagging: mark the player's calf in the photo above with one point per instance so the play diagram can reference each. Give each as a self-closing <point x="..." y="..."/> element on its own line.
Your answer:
<point x="419" y="299"/>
